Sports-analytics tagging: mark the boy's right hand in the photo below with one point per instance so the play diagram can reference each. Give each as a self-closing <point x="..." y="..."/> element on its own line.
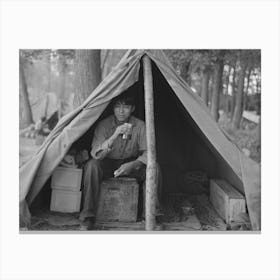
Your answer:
<point x="122" y="129"/>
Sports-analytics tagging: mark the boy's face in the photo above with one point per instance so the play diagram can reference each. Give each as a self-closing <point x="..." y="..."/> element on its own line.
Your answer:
<point x="123" y="111"/>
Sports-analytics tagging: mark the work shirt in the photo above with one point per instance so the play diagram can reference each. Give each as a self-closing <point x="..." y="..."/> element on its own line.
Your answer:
<point x="134" y="146"/>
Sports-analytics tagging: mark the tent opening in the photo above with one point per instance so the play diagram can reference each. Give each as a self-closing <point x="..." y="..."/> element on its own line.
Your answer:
<point x="181" y="145"/>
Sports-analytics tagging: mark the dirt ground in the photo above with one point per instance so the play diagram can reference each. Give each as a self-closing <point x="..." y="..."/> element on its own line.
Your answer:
<point x="173" y="219"/>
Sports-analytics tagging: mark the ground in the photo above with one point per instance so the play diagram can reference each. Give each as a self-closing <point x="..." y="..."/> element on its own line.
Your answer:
<point x="181" y="212"/>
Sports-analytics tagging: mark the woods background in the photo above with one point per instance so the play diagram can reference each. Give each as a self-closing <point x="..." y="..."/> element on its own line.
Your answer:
<point x="228" y="82"/>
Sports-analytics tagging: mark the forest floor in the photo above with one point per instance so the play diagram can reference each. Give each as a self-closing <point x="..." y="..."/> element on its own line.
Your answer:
<point x="200" y="216"/>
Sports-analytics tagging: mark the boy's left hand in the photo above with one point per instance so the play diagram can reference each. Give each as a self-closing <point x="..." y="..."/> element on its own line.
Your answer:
<point x="124" y="169"/>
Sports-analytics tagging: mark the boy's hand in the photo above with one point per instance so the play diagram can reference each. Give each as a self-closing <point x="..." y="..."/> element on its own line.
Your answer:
<point x="124" y="169"/>
<point x="122" y="129"/>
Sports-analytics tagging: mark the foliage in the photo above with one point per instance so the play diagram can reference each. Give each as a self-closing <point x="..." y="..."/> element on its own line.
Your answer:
<point x="191" y="63"/>
<point x="30" y="55"/>
<point x="245" y="138"/>
<point x="198" y="59"/>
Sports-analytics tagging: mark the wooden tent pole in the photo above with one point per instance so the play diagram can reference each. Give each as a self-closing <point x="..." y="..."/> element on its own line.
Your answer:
<point x="151" y="147"/>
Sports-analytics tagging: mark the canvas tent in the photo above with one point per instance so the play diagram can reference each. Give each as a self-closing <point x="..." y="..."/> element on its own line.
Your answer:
<point x="187" y="136"/>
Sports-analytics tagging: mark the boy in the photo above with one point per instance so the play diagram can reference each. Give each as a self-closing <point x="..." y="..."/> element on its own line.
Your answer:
<point x="118" y="149"/>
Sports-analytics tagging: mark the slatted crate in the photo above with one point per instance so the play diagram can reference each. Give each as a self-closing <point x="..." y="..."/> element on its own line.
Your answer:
<point x="227" y="201"/>
<point x="66" y="194"/>
<point x="65" y="201"/>
<point x="66" y="178"/>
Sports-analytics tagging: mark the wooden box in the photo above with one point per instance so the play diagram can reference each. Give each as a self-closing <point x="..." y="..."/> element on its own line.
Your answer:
<point x="67" y="178"/>
<point x="65" y="201"/>
<point x="227" y="201"/>
<point x="118" y="200"/>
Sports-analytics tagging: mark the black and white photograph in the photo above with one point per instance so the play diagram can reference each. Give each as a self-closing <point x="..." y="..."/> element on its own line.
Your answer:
<point x="140" y="140"/>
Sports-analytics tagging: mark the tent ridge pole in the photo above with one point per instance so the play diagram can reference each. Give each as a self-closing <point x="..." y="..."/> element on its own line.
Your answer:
<point x="151" y="180"/>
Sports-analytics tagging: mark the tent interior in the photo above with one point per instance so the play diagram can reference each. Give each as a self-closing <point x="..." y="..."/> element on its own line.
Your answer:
<point x="181" y="145"/>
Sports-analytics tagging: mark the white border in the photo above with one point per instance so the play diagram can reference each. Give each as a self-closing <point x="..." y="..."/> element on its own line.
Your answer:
<point x="155" y="24"/>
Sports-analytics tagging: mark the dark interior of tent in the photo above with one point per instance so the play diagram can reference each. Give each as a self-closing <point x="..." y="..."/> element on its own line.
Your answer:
<point x="180" y="145"/>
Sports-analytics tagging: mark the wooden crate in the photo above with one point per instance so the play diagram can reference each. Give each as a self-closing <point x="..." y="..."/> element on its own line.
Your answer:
<point x="227" y="201"/>
<point x="65" y="201"/>
<point x="67" y="179"/>
<point x="118" y="200"/>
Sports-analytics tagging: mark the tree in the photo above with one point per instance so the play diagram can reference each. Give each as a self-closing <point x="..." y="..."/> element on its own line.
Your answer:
<point x="224" y="72"/>
<point x="217" y="84"/>
<point x="205" y="85"/>
<point x="49" y="71"/>
<point x="185" y="71"/>
<point x="238" y="110"/>
<point x="181" y="61"/>
<point x="87" y="74"/>
<point x="62" y="74"/>
<point x="27" y="115"/>
<point x="225" y="89"/>
<point x="233" y="91"/>
<point x="258" y="95"/>
<point x="62" y="63"/>
<point x="247" y="87"/>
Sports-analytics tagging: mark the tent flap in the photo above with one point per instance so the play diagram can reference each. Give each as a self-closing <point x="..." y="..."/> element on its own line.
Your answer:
<point x="252" y="187"/>
<point x="34" y="174"/>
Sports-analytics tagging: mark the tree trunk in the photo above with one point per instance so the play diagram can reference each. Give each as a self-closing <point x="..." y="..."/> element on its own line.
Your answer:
<point x="233" y="94"/>
<point x="247" y="88"/>
<point x="227" y="81"/>
<point x="185" y="73"/>
<point x="205" y="85"/>
<point x="210" y="91"/>
<point x="49" y="70"/>
<point x="239" y="97"/>
<point x="27" y="115"/>
<point x="217" y="85"/>
<point x="87" y="74"/>
<point x="226" y="91"/>
<point x="62" y="75"/>
<point x="258" y="95"/>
